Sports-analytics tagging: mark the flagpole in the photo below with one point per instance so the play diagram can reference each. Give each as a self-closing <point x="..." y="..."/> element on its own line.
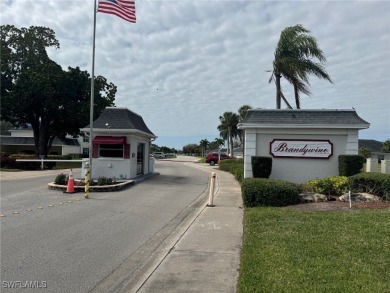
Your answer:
<point x="92" y="92"/>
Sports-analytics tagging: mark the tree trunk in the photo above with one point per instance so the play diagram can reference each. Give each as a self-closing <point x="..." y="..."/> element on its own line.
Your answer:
<point x="285" y="100"/>
<point x="42" y="142"/>
<point x="49" y="144"/>
<point x="278" y="90"/>
<point x="230" y="141"/>
<point x="296" y="93"/>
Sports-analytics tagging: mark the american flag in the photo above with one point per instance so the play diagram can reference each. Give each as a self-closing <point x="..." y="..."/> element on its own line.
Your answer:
<point x="124" y="9"/>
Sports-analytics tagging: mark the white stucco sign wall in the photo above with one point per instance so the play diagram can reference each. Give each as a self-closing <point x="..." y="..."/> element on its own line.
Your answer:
<point x="303" y="144"/>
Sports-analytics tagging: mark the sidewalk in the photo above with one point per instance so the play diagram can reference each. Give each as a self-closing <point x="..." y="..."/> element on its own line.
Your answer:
<point x="206" y="258"/>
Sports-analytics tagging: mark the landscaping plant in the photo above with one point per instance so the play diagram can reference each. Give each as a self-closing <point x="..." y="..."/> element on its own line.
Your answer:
<point x="373" y="183"/>
<point x="336" y="185"/>
<point x="269" y="192"/>
<point x="350" y="164"/>
<point x="261" y="167"/>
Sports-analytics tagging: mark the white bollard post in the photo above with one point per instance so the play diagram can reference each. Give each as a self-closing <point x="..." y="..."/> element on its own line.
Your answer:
<point x="372" y="164"/>
<point x="212" y="186"/>
<point x="41" y="157"/>
<point x="350" y="200"/>
<point x="385" y="164"/>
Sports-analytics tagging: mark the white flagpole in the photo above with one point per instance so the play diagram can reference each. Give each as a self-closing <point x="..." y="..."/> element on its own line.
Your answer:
<point x="92" y="92"/>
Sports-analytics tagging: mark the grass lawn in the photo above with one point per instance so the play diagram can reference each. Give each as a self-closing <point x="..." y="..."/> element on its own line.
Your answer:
<point x="295" y="251"/>
<point x="68" y="165"/>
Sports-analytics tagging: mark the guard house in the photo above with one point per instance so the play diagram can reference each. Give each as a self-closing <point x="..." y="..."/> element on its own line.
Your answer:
<point x="304" y="144"/>
<point x="120" y="144"/>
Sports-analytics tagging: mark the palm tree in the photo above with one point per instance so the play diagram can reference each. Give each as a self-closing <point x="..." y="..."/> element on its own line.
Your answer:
<point x="242" y="111"/>
<point x="204" y="143"/>
<point x="293" y="61"/>
<point x="219" y="142"/>
<point x="228" y="128"/>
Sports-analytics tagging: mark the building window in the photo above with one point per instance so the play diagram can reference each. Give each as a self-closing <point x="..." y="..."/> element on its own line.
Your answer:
<point x="85" y="152"/>
<point x="86" y="139"/>
<point x="111" y="150"/>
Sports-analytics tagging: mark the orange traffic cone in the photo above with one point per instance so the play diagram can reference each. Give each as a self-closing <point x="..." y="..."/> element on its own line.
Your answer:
<point x="70" y="187"/>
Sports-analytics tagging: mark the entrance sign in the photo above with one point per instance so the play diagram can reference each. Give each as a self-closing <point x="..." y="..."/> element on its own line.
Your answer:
<point x="303" y="149"/>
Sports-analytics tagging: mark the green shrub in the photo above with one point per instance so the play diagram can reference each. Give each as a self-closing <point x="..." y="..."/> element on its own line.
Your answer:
<point x="350" y="164"/>
<point x="228" y="165"/>
<point x="36" y="165"/>
<point x="261" y="167"/>
<point x="59" y="157"/>
<point x="238" y="172"/>
<point x="25" y="165"/>
<point x="336" y="185"/>
<point x="28" y="165"/>
<point x="61" y="179"/>
<point x="19" y="156"/>
<point x="7" y="162"/>
<point x="105" y="181"/>
<point x="373" y="183"/>
<point x="269" y="192"/>
<point x="234" y="166"/>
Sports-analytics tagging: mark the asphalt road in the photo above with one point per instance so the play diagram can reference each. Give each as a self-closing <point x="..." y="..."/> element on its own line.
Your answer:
<point x="65" y="243"/>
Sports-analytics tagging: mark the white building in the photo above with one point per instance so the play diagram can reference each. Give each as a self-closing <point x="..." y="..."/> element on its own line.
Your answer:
<point x="120" y="144"/>
<point x="22" y="141"/>
<point x="303" y="144"/>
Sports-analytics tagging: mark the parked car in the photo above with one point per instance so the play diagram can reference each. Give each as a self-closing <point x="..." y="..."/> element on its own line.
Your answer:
<point x="213" y="158"/>
<point x="158" y="155"/>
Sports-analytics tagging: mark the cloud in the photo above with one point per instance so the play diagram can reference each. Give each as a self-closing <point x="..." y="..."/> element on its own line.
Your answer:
<point x="185" y="63"/>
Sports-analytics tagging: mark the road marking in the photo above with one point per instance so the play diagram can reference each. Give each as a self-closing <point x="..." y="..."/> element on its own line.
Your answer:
<point x="214" y="226"/>
<point x="40" y="207"/>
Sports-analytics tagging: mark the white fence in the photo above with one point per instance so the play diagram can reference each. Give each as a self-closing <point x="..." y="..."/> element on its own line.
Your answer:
<point x="48" y="160"/>
<point x="372" y="163"/>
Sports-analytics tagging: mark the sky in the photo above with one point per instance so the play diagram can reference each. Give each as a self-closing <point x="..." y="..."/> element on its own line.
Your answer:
<point x="184" y="63"/>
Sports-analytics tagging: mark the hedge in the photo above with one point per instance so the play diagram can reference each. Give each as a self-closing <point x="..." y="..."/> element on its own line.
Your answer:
<point x="350" y="164"/>
<point x="373" y="183"/>
<point x="269" y="192"/>
<point x="234" y="166"/>
<point x="10" y="162"/>
<point x="261" y="167"/>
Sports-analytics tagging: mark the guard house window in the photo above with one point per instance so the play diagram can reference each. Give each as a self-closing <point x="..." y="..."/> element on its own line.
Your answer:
<point x="110" y="147"/>
<point x="111" y="150"/>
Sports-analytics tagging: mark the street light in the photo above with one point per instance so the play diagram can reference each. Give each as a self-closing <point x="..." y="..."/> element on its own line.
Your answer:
<point x="108" y="127"/>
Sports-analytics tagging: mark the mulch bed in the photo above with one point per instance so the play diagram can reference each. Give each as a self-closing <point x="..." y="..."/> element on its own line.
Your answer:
<point x="340" y="206"/>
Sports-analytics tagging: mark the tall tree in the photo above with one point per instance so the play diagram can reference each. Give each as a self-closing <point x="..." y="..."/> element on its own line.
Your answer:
<point x="216" y="144"/>
<point x="294" y="55"/>
<point x="242" y="111"/>
<point x="228" y="126"/>
<point x="204" y="143"/>
<point x="5" y="126"/>
<point x="386" y="146"/>
<point x="191" y="149"/>
<point x="38" y="92"/>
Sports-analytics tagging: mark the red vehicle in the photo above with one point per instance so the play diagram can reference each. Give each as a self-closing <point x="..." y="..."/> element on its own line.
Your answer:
<point x="213" y="158"/>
